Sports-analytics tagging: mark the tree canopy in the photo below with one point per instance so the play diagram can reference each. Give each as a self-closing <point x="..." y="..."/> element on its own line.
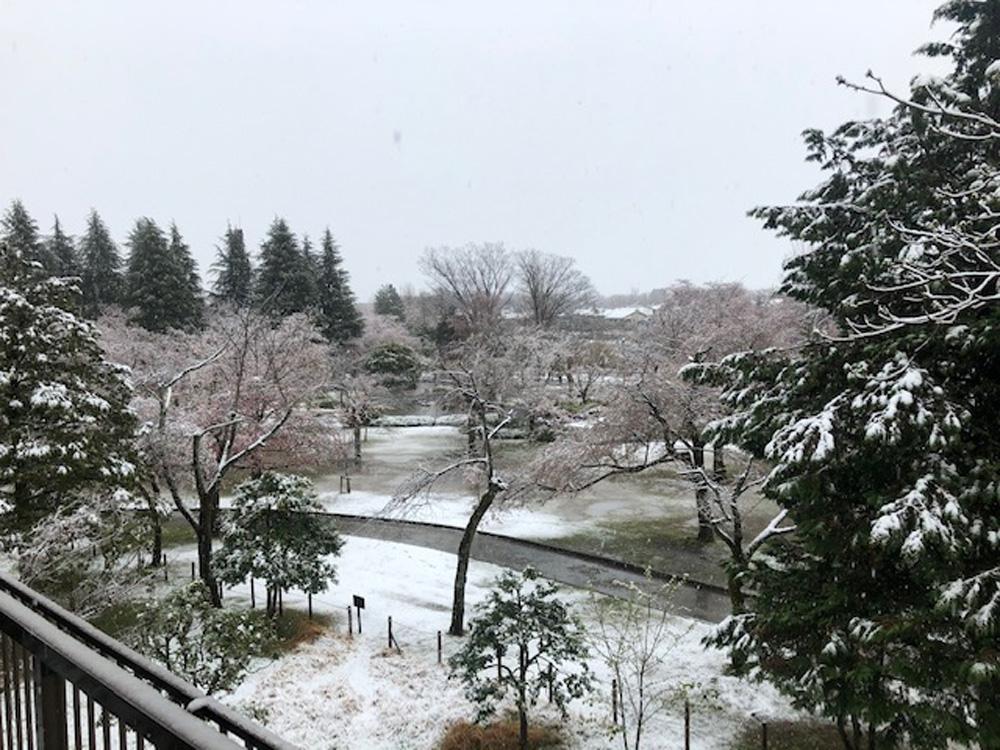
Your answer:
<point x="65" y="424"/>
<point x="882" y="610"/>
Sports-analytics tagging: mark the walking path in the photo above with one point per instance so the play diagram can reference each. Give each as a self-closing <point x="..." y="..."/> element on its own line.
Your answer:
<point x="692" y="598"/>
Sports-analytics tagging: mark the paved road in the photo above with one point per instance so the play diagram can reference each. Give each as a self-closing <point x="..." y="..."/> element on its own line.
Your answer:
<point x="703" y="601"/>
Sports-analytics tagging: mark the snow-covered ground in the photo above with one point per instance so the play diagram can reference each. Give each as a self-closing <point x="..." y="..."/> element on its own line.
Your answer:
<point x="341" y="692"/>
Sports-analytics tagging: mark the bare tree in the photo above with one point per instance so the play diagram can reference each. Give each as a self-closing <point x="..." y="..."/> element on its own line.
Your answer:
<point x="497" y="379"/>
<point x="219" y="400"/>
<point x="475" y="279"/>
<point x="551" y="286"/>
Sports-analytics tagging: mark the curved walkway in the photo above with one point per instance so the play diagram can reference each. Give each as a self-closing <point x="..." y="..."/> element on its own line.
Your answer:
<point x="692" y="598"/>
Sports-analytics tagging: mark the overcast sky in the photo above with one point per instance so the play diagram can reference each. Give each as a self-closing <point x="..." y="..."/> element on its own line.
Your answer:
<point x="631" y="136"/>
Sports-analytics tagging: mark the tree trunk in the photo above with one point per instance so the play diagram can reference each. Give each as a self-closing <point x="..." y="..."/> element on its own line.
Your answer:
<point x="464" y="549"/>
<point x="718" y="462"/>
<point x="208" y="518"/>
<point x="357" y="445"/>
<point x="522" y="704"/>
<point x="706" y="532"/>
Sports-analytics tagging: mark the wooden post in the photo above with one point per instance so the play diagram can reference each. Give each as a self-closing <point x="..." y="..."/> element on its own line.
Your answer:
<point x="687" y="725"/>
<point x="310" y="599"/>
<point x="440" y="649"/>
<point x="614" y="701"/>
<point x="350" y="621"/>
<point x="281" y="602"/>
<point x="551" y="681"/>
<point x="763" y="735"/>
<point x="50" y="712"/>
<point x="390" y="631"/>
<point x="192" y="571"/>
<point x="253" y="595"/>
<point x="166" y="570"/>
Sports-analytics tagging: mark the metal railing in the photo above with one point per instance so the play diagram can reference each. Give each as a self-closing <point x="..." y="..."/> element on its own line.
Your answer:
<point x="66" y="684"/>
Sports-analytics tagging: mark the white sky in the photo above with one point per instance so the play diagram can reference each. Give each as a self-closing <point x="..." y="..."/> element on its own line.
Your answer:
<point x="632" y="136"/>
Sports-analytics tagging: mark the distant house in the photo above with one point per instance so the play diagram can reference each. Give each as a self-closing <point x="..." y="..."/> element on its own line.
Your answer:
<point x="634" y="314"/>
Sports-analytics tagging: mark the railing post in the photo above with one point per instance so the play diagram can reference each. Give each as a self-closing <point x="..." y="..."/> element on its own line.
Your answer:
<point x="50" y="708"/>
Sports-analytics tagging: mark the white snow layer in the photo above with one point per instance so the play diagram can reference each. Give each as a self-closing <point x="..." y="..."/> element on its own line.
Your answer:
<point x="341" y="692"/>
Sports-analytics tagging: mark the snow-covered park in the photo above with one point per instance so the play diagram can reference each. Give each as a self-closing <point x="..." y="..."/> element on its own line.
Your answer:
<point x="339" y="691"/>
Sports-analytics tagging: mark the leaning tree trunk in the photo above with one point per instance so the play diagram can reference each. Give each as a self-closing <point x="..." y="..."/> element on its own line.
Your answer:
<point x="464" y="550"/>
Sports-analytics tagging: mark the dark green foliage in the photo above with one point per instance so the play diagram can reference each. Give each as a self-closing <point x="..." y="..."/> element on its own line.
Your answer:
<point x="273" y="534"/>
<point x="388" y="302"/>
<point x="210" y="647"/>
<point x="160" y="283"/>
<point x="539" y="643"/>
<point x="60" y="249"/>
<point x="883" y="611"/>
<point x="339" y="319"/>
<point x="284" y="284"/>
<point x="101" y="268"/>
<point x="234" y="272"/>
<point x="191" y="302"/>
<point x="396" y="364"/>
<point x="20" y="231"/>
<point x="65" y="424"/>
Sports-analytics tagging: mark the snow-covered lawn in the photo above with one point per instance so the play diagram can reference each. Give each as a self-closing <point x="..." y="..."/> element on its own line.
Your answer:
<point x="340" y="692"/>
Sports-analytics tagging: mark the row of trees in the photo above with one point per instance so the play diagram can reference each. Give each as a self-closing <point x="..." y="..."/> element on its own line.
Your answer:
<point x="158" y="281"/>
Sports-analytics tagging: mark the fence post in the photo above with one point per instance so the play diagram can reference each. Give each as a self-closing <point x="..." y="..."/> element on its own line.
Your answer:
<point x="439" y="647"/>
<point x="50" y="712"/>
<point x="192" y="571"/>
<point x="499" y="669"/>
<point x="390" y="631"/>
<point x="550" y="679"/>
<point x="253" y="595"/>
<point x="310" y="598"/>
<point x="350" y="621"/>
<point x="763" y="735"/>
<point x="687" y="725"/>
<point x="614" y="701"/>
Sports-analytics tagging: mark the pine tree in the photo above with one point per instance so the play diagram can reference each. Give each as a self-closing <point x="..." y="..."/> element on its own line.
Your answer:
<point x="159" y="288"/>
<point x="101" y="274"/>
<point x="234" y="272"/>
<point x="61" y="250"/>
<point x="20" y="231"/>
<point x="283" y="285"/>
<point x="882" y="610"/>
<point x="339" y="319"/>
<point x="65" y="423"/>
<point x="388" y="302"/>
<point x="191" y="302"/>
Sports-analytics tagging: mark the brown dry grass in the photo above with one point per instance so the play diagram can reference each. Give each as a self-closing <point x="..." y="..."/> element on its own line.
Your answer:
<point x="500" y="735"/>
<point x="295" y="628"/>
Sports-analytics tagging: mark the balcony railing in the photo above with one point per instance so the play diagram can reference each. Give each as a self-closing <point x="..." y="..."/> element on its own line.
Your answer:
<point x="67" y="685"/>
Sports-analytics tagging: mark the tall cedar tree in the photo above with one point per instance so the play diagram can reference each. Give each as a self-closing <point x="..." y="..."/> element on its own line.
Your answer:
<point x="882" y="611"/>
<point x="20" y="231"/>
<point x="284" y="285"/>
<point x="65" y="423"/>
<point x="388" y="302"/>
<point x="193" y="301"/>
<point x="339" y="319"/>
<point x="158" y="282"/>
<point x="101" y="267"/>
<point x="59" y="247"/>
<point x="234" y="272"/>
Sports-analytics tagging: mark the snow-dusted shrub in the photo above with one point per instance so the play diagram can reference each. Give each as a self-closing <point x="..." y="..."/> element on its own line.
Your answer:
<point x="208" y="646"/>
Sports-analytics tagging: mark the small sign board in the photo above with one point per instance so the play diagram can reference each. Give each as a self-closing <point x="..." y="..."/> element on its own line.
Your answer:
<point x="359" y="601"/>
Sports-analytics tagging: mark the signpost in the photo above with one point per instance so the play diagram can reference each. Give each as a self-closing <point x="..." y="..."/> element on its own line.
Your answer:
<point x="359" y="604"/>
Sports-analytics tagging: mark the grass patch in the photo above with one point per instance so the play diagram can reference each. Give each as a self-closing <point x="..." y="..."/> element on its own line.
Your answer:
<point x="651" y="542"/>
<point x="500" y="735"/>
<point x="809" y="734"/>
<point x="293" y="628"/>
<point x="177" y="532"/>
